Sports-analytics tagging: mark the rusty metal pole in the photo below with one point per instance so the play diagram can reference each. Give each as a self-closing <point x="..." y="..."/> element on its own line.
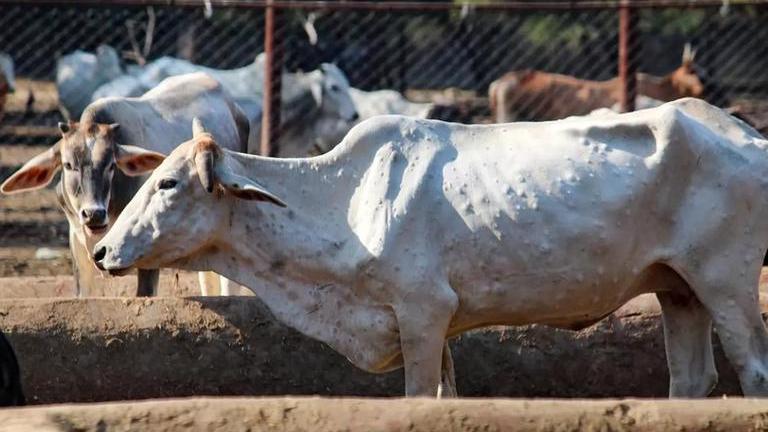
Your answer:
<point x="273" y="72"/>
<point x="627" y="56"/>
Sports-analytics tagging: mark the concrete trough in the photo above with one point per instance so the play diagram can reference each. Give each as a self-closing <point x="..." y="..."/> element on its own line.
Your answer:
<point x="353" y="415"/>
<point x="106" y="349"/>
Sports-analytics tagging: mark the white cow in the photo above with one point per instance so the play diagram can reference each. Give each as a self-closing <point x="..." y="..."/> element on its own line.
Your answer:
<point x="80" y="74"/>
<point x="317" y="106"/>
<point x="126" y="85"/>
<point x="7" y="72"/>
<point x="313" y="105"/>
<point x="381" y="102"/>
<point x="7" y="80"/>
<point x="131" y="134"/>
<point x="330" y="132"/>
<point x="247" y="81"/>
<point x="414" y="231"/>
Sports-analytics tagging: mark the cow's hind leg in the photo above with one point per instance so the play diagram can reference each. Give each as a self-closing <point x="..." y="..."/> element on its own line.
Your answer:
<point x="148" y="281"/>
<point x="688" y="340"/>
<point x="728" y="289"/>
<point x="447" y="387"/>
<point x="423" y="323"/>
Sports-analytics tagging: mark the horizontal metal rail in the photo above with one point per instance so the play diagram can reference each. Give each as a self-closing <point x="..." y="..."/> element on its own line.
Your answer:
<point x="414" y="6"/>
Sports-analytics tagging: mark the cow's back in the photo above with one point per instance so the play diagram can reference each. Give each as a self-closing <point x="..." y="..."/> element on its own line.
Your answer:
<point x="542" y="192"/>
<point x="162" y="118"/>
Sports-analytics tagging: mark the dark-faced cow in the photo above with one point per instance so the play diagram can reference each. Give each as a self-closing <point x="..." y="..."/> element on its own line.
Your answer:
<point x="413" y="231"/>
<point x="118" y="140"/>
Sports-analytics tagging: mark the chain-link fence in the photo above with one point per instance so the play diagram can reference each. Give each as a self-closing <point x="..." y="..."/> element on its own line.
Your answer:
<point x="445" y="55"/>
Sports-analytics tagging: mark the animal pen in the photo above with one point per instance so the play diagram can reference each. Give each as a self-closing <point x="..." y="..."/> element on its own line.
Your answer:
<point x="438" y="53"/>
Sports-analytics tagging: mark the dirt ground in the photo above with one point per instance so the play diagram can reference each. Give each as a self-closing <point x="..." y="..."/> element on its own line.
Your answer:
<point x="416" y="415"/>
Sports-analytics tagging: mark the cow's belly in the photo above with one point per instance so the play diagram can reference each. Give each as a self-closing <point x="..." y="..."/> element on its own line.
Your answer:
<point x="559" y="250"/>
<point x="564" y="297"/>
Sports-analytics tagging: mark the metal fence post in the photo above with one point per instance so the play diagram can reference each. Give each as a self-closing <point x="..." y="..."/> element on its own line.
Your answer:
<point x="273" y="71"/>
<point x="627" y="56"/>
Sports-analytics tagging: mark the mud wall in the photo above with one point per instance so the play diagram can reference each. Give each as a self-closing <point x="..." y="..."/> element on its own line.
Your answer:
<point x="105" y="349"/>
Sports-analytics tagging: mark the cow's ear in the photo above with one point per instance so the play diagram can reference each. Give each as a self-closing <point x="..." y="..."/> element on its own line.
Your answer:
<point x="244" y="187"/>
<point x="35" y="174"/>
<point x="136" y="161"/>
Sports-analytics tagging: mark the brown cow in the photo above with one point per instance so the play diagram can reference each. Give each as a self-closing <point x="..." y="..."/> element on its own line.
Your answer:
<point x="540" y="95"/>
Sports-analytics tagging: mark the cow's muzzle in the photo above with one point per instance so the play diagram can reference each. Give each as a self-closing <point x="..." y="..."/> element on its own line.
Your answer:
<point x="99" y="255"/>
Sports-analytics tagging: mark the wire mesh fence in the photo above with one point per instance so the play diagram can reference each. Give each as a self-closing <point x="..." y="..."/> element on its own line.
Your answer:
<point x="447" y="57"/>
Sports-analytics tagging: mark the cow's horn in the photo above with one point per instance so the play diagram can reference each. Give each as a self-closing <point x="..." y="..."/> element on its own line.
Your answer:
<point x="204" y="162"/>
<point x="197" y="127"/>
<point x="687" y="55"/>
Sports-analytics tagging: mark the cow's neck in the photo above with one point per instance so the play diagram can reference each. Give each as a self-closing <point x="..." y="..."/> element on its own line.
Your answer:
<point x="304" y="240"/>
<point x="302" y="260"/>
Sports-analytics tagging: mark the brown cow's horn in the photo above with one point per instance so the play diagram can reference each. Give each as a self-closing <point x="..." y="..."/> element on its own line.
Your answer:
<point x="204" y="162"/>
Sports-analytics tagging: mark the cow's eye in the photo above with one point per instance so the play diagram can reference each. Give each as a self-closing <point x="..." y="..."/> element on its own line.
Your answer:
<point x="334" y="88"/>
<point x="67" y="166"/>
<point x="167" y="184"/>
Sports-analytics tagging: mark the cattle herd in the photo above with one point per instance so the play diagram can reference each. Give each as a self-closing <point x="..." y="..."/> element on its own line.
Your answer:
<point x="383" y="233"/>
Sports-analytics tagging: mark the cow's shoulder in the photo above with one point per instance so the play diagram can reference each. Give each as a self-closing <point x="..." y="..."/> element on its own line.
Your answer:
<point x="397" y="131"/>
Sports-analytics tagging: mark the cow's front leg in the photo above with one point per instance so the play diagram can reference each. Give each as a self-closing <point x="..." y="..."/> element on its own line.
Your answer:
<point x="688" y="341"/>
<point x="83" y="269"/>
<point x="423" y="326"/>
<point x="448" y="378"/>
<point x="147" y="283"/>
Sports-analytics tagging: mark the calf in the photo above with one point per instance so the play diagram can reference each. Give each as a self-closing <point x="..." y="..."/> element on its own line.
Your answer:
<point x="532" y="94"/>
<point x="106" y="155"/>
<point x="413" y="231"/>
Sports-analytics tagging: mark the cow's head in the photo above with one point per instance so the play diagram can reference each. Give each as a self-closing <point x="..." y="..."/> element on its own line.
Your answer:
<point x="89" y="155"/>
<point x="330" y="90"/>
<point x="180" y="209"/>
<point x="686" y="79"/>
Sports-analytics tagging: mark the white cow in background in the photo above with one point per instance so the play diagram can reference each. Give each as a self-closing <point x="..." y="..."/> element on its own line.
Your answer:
<point x="413" y="231"/>
<point x="125" y="85"/>
<point x="368" y="104"/>
<point x="314" y="104"/>
<point x="7" y="73"/>
<point x="80" y="74"/>
<point x="7" y="80"/>
<point x="247" y="81"/>
<point x="105" y="158"/>
<point x="382" y="102"/>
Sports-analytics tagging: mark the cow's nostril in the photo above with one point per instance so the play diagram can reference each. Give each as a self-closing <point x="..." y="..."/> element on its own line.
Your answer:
<point x="355" y="116"/>
<point x="100" y="253"/>
<point x="84" y="213"/>
<point x="99" y="215"/>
